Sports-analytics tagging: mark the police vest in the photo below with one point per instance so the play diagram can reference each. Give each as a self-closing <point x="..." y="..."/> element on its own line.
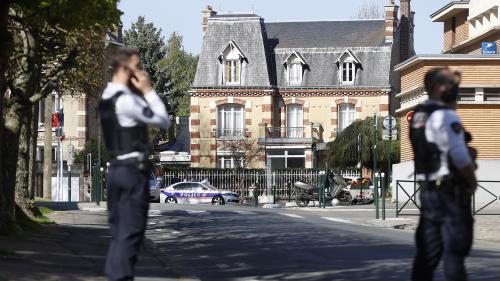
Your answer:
<point x="121" y="140"/>
<point x="426" y="154"/>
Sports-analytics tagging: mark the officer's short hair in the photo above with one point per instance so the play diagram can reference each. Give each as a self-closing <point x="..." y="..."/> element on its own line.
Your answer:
<point x="120" y="57"/>
<point x="432" y="78"/>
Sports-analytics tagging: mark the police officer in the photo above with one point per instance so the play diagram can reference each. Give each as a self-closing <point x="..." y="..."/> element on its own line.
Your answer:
<point x="127" y="106"/>
<point x="445" y="170"/>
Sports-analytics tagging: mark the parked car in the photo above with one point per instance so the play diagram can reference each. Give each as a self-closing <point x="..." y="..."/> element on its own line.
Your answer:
<point x="195" y="193"/>
<point x="154" y="184"/>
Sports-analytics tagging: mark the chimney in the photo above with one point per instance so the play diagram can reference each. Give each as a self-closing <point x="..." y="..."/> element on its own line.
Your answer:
<point x="406" y="28"/>
<point x="208" y="12"/>
<point x="391" y="20"/>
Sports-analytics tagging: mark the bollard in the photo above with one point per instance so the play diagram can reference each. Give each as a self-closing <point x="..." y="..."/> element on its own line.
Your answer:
<point x="256" y="195"/>
<point x="289" y="185"/>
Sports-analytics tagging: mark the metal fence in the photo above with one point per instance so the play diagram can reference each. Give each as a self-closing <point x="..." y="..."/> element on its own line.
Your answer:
<point x="241" y="180"/>
<point x="485" y="201"/>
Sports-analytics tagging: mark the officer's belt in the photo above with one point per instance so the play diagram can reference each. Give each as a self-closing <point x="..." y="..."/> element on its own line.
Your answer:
<point x="137" y="162"/>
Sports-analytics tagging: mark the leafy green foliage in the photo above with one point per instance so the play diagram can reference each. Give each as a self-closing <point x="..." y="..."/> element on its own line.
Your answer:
<point x="147" y="40"/>
<point x="180" y="66"/>
<point x="91" y="147"/>
<point x="344" y="153"/>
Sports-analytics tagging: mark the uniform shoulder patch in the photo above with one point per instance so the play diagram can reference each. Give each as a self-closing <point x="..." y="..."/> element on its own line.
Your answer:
<point x="147" y="112"/>
<point x="457" y="127"/>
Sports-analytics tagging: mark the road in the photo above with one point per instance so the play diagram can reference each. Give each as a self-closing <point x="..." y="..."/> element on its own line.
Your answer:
<point x="242" y="243"/>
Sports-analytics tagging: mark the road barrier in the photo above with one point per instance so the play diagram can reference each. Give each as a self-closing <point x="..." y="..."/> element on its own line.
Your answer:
<point x="484" y="199"/>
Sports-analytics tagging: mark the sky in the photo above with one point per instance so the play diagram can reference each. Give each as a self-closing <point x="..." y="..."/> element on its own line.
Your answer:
<point x="184" y="16"/>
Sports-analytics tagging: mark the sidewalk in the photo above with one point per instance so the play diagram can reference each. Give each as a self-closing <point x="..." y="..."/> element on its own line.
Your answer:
<point x="74" y="248"/>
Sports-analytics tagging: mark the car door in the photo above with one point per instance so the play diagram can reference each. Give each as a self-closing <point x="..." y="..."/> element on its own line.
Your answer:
<point x="205" y="193"/>
<point x="182" y="192"/>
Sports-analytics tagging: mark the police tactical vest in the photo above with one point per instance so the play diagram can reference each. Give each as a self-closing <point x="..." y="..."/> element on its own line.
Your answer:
<point x="121" y="140"/>
<point x="427" y="155"/>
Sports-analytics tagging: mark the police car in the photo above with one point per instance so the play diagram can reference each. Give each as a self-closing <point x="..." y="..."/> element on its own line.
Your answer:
<point x="195" y="193"/>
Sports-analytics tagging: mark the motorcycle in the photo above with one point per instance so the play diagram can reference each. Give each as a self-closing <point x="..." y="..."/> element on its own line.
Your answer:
<point x="338" y="190"/>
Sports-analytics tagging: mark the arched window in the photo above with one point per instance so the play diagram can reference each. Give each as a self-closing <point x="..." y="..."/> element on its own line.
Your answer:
<point x="231" y="121"/>
<point x="346" y="115"/>
<point x="295" y="121"/>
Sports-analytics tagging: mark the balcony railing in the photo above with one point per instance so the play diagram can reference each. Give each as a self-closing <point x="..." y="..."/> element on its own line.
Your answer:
<point x="285" y="132"/>
<point x="230" y="133"/>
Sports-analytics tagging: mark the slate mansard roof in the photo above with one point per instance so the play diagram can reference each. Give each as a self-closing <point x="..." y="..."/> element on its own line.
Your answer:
<point x="321" y="43"/>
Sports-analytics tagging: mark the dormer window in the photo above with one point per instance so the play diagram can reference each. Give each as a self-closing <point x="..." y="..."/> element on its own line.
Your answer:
<point x="295" y="74"/>
<point x="294" y="65"/>
<point x="231" y="59"/>
<point x="348" y="73"/>
<point x="232" y="72"/>
<point x="348" y="64"/>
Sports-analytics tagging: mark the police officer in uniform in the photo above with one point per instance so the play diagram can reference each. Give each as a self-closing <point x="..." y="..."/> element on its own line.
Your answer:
<point x="127" y="106"/>
<point x="445" y="169"/>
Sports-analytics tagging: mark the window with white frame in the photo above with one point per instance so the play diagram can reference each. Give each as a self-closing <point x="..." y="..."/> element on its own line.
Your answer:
<point x="346" y="115"/>
<point x="231" y="121"/>
<point x="232" y="72"/>
<point x="295" y="74"/>
<point x="230" y="162"/>
<point x="295" y="121"/>
<point x="348" y="73"/>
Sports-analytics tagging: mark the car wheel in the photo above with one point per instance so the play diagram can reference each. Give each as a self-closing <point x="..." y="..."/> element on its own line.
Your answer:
<point x="218" y="200"/>
<point x="171" y="199"/>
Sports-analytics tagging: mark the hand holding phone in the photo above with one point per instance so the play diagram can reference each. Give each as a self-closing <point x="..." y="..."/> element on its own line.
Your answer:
<point x="140" y="80"/>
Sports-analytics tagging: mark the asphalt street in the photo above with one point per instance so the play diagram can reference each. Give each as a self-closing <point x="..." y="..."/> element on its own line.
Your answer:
<point x="242" y="243"/>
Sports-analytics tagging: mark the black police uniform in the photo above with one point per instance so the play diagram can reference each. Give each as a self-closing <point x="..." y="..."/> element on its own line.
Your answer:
<point x="128" y="192"/>
<point x="446" y="223"/>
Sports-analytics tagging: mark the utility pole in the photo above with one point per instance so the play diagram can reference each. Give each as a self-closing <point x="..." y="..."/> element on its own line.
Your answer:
<point x="47" y="148"/>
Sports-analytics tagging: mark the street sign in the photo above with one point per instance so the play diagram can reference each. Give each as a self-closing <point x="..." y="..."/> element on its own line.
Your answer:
<point x="409" y="116"/>
<point x="389" y="122"/>
<point x="386" y="135"/>
<point x="489" y="48"/>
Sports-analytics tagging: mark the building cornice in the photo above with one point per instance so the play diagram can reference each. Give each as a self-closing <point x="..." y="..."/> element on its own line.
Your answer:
<point x="449" y="10"/>
<point x="444" y="57"/>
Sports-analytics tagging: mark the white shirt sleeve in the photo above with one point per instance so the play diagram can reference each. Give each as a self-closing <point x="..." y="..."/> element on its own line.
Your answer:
<point x="457" y="147"/>
<point x="150" y="110"/>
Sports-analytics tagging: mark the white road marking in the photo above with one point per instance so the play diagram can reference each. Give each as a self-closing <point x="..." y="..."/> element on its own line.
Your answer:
<point x="194" y="212"/>
<point x="337" y="220"/>
<point x="154" y="213"/>
<point x="293" y="216"/>
<point x="245" y="212"/>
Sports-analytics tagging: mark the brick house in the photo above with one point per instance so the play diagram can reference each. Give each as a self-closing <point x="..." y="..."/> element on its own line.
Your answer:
<point x="471" y="33"/>
<point x="289" y="87"/>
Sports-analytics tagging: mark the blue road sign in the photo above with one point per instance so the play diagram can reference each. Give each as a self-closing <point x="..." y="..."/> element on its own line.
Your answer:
<point x="489" y="48"/>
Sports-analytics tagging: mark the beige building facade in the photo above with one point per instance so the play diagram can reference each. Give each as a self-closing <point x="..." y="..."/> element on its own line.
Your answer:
<point x="281" y="90"/>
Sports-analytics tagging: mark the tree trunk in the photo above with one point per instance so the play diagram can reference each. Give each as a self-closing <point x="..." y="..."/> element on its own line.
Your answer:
<point x="47" y="149"/>
<point x="33" y="150"/>
<point x="23" y="161"/>
<point x="4" y="55"/>
<point x="10" y="147"/>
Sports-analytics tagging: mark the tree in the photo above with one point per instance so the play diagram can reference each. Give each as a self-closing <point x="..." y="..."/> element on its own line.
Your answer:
<point x="370" y="9"/>
<point x="345" y="152"/>
<point x="248" y="150"/>
<point x="147" y="40"/>
<point x="180" y="67"/>
<point x="39" y="59"/>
